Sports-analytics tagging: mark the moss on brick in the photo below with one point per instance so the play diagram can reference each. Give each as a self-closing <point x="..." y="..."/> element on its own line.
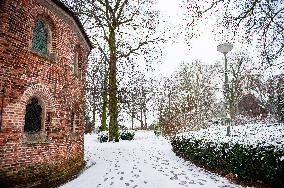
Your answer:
<point x="43" y="175"/>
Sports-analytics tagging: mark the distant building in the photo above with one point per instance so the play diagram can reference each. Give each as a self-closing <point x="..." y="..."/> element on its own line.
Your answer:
<point x="250" y="105"/>
<point x="43" y="56"/>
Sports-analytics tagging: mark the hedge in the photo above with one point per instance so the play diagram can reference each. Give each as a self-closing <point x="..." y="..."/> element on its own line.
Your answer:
<point x="127" y="135"/>
<point x="249" y="163"/>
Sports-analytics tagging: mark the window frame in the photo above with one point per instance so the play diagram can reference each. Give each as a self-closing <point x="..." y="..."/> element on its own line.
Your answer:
<point x="48" y="30"/>
<point x="43" y="116"/>
<point x="40" y="136"/>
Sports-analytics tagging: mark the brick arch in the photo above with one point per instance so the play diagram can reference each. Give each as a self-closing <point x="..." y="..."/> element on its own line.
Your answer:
<point x="42" y="93"/>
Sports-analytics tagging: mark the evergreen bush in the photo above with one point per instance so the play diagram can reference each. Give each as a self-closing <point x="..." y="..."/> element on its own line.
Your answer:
<point x="157" y="130"/>
<point x="249" y="163"/>
<point x="103" y="136"/>
<point x="127" y="135"/>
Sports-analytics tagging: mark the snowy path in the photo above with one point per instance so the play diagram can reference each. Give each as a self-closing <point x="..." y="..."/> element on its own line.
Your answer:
<point x="146" y="162"/>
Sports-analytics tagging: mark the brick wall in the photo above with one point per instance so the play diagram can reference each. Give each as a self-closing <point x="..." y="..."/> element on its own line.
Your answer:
<point x="50" y="78"/>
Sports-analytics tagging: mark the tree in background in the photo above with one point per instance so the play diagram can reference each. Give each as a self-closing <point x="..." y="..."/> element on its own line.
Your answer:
<point x="280" y="101"/>
<point x="261" y="19"/>
<point x="96" y="74"/>
<point x="114" y="26"/>
<point x="89" y="126"/>
<point x="192" y="99"/>
<point x="240" y="70"/>
<point x="275" y="95"/>
<point x="136" y="98"/>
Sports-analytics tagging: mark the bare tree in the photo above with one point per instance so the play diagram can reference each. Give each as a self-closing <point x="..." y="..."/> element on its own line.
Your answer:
<point x="261" y="19"/>
<point x="116" y="25"/>
<point x="240" y="70"/>
<point x="95" y="86"/>
<point x="189" y="102"/>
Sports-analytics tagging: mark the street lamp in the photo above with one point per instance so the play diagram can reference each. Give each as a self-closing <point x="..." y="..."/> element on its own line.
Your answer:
<point x="224" y="49"/>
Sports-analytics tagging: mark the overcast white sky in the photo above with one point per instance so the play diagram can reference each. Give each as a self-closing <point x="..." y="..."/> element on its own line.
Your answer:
<point x="203" y="47"/>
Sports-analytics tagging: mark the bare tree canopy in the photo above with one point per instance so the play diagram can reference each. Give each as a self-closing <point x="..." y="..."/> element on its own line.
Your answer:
<point x="118" y="29"/>
<point x="262" y="21"/>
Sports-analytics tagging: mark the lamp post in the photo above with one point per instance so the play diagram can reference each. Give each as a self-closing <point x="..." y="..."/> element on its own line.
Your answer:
<point x="224" y="49"/>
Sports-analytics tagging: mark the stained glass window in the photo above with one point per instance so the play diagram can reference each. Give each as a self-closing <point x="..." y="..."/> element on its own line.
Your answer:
<point x="33" y="116"/>
<point x="39" y="42"/>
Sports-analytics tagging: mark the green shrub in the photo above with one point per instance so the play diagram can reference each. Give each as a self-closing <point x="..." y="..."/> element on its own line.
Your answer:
<point x="103" y="136"/>
<point x="157" y="130"/>
<point x="264" y="163"/>
<point x="127" y="135"/>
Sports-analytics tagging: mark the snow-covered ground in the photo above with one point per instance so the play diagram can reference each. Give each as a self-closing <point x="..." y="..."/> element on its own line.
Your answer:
<point x="249" y="134"/>
<point x="146" y="162"/>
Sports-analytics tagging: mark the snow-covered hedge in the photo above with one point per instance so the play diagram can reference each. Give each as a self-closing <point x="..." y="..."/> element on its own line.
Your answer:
<point x="252" y="152"/>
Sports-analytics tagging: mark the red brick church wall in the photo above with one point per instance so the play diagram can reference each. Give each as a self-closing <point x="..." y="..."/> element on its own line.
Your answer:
<point x="50" y="78"/>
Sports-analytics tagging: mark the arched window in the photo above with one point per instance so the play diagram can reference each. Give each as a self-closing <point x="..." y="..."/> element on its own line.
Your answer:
<point x="40" y="38"/>
<point x="33" y="116"/>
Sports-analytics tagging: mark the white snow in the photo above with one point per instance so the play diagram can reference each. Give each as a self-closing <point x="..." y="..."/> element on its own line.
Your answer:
<point x="146" y="162"/>
<point x="250" y="134"/>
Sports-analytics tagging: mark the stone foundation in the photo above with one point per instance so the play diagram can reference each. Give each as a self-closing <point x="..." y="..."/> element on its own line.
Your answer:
<point x="42" y="175"/>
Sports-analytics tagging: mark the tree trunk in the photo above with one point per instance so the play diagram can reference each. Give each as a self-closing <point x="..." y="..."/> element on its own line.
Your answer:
<point x="113" y="123"/>
<point x="104" y="107"/>
<point x="94" y="108"/>
<point x="145" y="118"/>
<point x="132" y="120"/>
<point x="104" y="110"/>
<point x="141" y="118"/>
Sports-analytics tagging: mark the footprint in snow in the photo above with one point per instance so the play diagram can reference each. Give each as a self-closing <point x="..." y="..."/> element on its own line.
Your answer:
<point x="200" y="183"/>
<point x="136" y="176"/>
<point x="191" y="182"/>
<point x="174" y="177"/>
<point x="182" y="182"/>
